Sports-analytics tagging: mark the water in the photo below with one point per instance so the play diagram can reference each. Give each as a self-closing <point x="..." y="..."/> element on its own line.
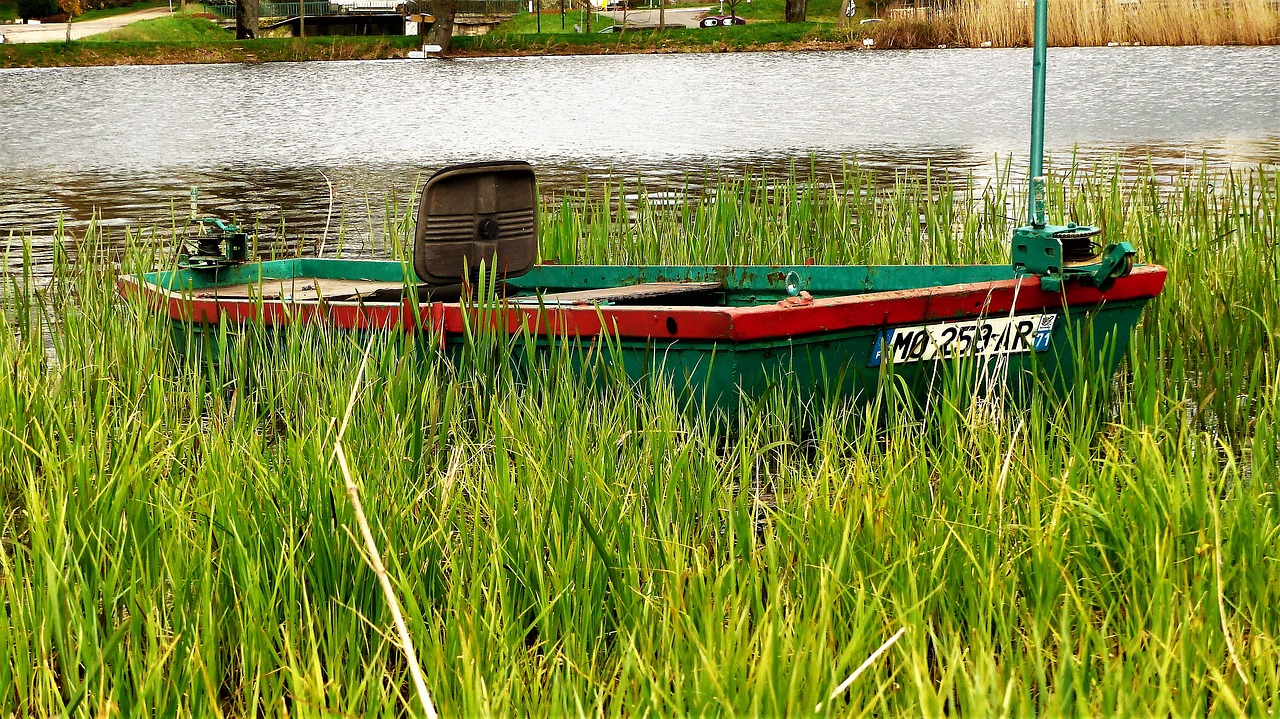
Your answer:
<point x="266" y="142"/>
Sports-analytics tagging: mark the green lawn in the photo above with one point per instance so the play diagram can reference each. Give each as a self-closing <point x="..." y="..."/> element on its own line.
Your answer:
<point x="168" y="30"/>
<point x="735" y="38"/>
<point x="527" y="23"/>
<point x="113" y="11"/>
<point x="828" y="10"/>
<point x="766" y="25"/>
<point x="8" y="11"/>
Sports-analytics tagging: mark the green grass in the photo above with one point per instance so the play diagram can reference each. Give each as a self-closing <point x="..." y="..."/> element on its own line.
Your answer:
<point x="212" y="48"/>
<point x="167" y="30"/>
<point x="818" y="10"/>
<point x="113" y="11"/>
<point x="743" y="37"/>
<point x="527" y="23"/>
<point x="8" y="11"/>
<point x="767" y="16"/>
<point x="178" y="540"/>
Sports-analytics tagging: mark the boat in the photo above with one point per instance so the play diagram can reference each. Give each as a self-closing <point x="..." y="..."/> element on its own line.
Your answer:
<point x="716" y="332"/>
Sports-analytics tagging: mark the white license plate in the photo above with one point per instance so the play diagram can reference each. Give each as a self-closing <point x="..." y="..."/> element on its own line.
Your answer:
<point x="967" y="338"/>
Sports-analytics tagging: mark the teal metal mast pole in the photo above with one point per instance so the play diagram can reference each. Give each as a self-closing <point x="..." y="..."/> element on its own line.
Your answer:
<point x="1057" y="253"/>
<point x="1035" y="201"/>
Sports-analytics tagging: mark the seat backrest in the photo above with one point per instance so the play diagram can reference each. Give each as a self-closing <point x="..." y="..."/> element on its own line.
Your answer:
<point x="479" y="212"/>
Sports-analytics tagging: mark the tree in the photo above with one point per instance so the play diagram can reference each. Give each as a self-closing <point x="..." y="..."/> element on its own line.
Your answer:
<point x="796" y="10"/>
<point x="441" y="31"/>
<point x="847" y="10"/>
<point x="246" y="19"/>
<point x="71" y="8"/>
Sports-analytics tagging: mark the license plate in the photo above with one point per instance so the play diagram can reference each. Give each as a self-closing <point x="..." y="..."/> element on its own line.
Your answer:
<point x="967" y="338"/>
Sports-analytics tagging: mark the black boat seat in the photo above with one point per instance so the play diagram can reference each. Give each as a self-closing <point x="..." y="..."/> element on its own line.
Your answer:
<point x="473" y="214"/>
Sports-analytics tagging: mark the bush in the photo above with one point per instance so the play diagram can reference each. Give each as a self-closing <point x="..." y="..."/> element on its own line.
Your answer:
<point x="37" y="8"/>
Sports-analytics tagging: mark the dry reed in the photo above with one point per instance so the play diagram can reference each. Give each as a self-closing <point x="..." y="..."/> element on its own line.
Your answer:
<point x="1007" y="23"/>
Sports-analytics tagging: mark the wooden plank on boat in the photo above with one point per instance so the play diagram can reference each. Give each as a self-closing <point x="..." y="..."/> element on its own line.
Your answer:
<point x="642" y="293"/>
<point x="306" y="289"/>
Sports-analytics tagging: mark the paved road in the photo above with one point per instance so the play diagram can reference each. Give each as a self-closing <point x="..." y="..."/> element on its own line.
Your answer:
<point x="57" y="31"/>
<point x="676" y="17"/>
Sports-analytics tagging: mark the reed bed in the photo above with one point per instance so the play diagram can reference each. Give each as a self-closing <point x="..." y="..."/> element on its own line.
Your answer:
<point x="1008" y="23"/>
<point x="178" y="540"/>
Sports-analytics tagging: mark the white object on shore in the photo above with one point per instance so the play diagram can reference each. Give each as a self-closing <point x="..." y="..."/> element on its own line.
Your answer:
<point x="32" y="21"/>
<point x="1113" y="44"/>
<point x="868" y="42"/>
<point x="426" y="52"/>
<point x="986" y="43"/>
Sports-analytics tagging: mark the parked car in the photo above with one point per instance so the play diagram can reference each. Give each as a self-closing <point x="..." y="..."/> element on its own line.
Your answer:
<point x="721" y="21"/>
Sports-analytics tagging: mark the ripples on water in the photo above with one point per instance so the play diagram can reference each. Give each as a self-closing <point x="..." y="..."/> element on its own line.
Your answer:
<point x="127" y="143"/>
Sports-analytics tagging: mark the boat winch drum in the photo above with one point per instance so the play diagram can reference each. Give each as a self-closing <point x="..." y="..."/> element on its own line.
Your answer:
<point x="481" y="212"/>
<point x="1079" y="244"/>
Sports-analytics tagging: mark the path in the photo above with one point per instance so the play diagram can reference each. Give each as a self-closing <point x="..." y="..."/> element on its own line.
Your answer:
<point x="57" y="31"/>
<point x="676" y="17"/>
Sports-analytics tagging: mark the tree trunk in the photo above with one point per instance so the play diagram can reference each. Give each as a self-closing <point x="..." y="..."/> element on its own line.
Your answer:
<point x="441" y="31"/>
<point x="246" y="19"/>
<point x="847" y="8"/>
<point x="796" y="10"/>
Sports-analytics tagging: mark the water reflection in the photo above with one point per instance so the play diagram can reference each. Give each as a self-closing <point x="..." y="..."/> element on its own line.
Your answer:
<point x="289" y="144"/>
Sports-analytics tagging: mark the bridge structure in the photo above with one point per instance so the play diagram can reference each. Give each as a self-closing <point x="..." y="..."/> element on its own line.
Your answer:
<point x="368" y="17"/>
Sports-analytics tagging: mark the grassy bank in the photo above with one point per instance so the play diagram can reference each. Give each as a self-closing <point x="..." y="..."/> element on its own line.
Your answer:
<point x="971" y="23"/>
<point x="192" y="40"/>
<point x="114" y="11"/>
<point x="177" y="539"/>
<point x="168" y="31"/>
<point x="527" y="23"/>
<point x="222" y="49"/>
<point x="760" y="36"/>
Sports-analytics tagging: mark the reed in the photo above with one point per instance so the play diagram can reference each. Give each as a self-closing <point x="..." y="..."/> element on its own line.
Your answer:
<point x="1007" y="23"/>
<point x="178" y="540"/>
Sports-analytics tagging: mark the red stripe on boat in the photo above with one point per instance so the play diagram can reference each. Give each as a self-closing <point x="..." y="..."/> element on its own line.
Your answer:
<point x="737" y="324"/>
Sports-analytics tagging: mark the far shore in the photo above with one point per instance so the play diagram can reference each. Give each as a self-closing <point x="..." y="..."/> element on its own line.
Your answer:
<point x="89" y="54"/>
<point x="182" y="39"/>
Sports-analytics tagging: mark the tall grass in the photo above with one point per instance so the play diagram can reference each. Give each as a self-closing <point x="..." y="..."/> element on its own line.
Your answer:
<point x="1007" y="23"/>
<point x="177" y="538"/>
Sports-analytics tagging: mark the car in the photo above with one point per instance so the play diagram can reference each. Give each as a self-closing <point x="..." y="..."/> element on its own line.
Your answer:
<point x="721" y="21"/>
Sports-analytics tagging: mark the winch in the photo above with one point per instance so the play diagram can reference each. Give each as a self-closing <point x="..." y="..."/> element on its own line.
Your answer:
<point x="1056" y="252"/>
<point x="218" y="243"/>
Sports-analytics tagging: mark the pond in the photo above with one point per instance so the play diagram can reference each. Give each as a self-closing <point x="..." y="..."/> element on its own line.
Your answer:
<point x="284" y="142"/>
